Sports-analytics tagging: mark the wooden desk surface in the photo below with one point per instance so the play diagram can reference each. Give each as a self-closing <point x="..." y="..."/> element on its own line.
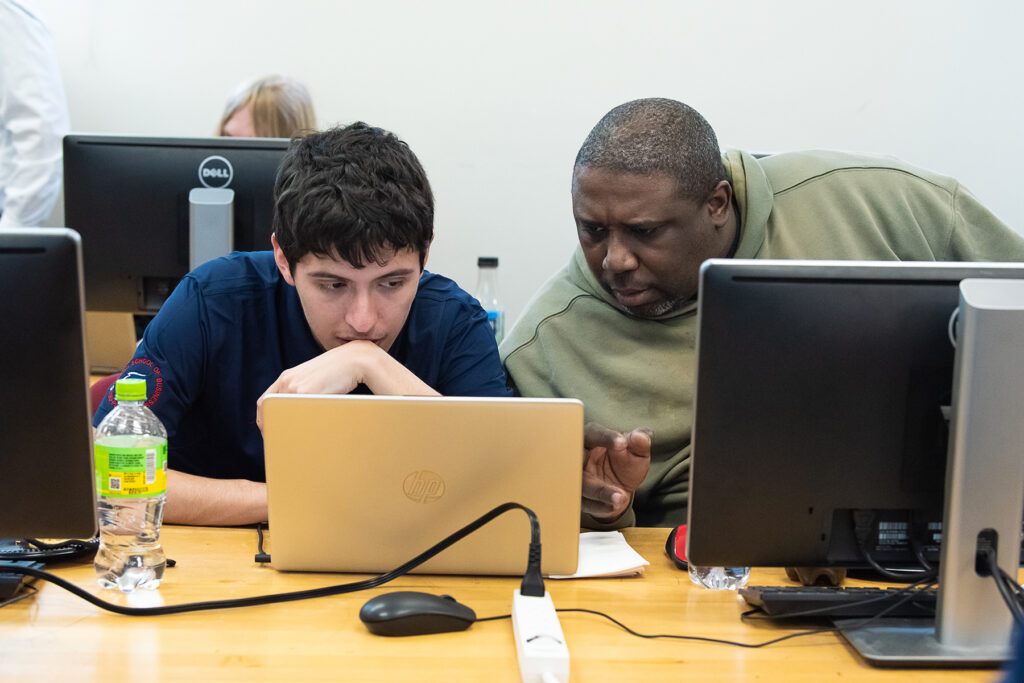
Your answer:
<point x="56" y="636"/>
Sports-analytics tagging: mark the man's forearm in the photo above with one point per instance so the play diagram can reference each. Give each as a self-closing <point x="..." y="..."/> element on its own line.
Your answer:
<point x="215" y="502"/>
<point x="387" y="377"/>
<point x="384" y="375"/>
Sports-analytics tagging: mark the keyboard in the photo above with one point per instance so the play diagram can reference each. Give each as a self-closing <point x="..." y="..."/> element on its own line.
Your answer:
<point x="785" y="601"/>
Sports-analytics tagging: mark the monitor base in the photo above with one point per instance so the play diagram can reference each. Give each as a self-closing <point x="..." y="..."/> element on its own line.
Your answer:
<point x="906" y="642"/>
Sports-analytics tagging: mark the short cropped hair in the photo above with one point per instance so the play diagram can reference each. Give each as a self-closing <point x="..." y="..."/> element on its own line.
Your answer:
<point x="657" y="135"/>
<point x="356" y="192"/>
<point x="281" y="107"/>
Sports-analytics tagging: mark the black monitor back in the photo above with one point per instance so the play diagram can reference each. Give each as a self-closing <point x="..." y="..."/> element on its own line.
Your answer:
<point x="819" y="393"/>
<point x="128" y="198"/>
<point x="46" y="466"/>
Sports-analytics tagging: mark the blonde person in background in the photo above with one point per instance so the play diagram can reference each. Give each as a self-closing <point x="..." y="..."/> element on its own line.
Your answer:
<point x="269" y="107"/>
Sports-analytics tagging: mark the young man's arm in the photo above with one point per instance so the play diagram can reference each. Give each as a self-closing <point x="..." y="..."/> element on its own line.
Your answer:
<point x="217" y="502"/>
<point x="171" y="357"/>
<point x="213" y="502"/>
<point x="342" y="369"/>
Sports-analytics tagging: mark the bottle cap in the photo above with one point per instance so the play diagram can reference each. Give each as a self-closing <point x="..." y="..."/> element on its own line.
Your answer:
<point x="487" y="262"/>
<point x="130" y="389"/>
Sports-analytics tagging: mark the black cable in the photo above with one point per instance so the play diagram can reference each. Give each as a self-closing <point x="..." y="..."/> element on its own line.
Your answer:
<point x="261" y="556"/>
<point x="1011" y="583"/>
<point x="34" y="549"/>
<point x="750" y="616"/>
<point x="896" y="576"/>
<point x="698" y="638"/>
<point x="82" y="544"/>
<point x="1010" y="596"/>
<point x="863" y="525"/>
<point x="312" y="593"/>
<point x="1014" y="587"/>
<point x="915" y="545"/>
<point x="915" y="530"/>
<point x="669" y="635"/>
<point x="497" y="618"/>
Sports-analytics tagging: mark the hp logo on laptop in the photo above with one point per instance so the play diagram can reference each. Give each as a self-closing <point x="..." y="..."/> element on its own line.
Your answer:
<point x="423" y="486"/>
<point x="216" y="171"/>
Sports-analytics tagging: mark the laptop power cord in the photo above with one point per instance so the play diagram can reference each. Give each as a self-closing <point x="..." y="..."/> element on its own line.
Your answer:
<point x="532" y="584"/>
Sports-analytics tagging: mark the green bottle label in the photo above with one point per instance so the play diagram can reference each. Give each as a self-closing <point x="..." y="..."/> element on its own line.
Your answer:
<point x="138" y="472"/>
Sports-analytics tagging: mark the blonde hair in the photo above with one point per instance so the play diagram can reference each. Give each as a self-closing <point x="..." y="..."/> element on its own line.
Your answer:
<point x="281" y="107"/>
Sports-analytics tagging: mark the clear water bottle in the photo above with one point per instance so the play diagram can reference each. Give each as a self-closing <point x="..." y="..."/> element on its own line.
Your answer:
<point x="719" y="578"/>
<point x="131" y="483"/>
<point x="487" y="294"/>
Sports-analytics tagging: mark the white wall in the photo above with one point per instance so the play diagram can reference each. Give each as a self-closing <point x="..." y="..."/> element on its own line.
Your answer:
<point x="495" y="98"/>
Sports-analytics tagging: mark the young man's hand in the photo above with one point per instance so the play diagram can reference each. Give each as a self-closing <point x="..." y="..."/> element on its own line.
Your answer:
<point x="614" y="466"/>
<point x="342" y="369"/>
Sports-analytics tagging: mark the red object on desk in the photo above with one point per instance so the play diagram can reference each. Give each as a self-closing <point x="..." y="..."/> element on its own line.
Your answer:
<point x="675" y="546"/>
<point x="681" y="542"/>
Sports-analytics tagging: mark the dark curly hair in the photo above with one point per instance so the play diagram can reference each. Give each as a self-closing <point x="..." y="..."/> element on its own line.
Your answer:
<point x="356" y="192"/>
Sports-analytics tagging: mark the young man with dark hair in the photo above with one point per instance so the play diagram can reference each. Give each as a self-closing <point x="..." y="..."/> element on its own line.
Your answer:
<point x="341" y="304"/>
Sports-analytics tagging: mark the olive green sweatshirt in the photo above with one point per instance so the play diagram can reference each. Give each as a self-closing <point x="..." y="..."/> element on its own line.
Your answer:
<point x="574" y="340"/>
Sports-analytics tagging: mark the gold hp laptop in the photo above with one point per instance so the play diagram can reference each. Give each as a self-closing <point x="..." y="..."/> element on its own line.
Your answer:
<point x="365" y="483"/>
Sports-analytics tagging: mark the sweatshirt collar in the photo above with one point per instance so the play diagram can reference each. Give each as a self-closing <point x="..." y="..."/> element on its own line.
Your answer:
<point x="753" y="195"/>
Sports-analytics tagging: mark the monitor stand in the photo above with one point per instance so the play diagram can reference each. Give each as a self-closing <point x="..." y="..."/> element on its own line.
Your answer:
<point x="211" y="224"/>
<point x="984" y="493"/>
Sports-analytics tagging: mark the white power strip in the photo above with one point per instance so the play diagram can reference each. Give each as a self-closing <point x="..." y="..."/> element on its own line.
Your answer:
<point x="540" y="643"/>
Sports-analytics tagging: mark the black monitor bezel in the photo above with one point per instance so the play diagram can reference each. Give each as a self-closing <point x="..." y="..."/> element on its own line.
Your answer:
<point x="46" y="463"/>
<point x="127" y="196"/>
<point x="753" y="503"/>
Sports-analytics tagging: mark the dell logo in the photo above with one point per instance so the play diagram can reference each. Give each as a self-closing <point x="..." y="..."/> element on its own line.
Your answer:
<point x="216" y="171"/>
<point x="423" y="486"/>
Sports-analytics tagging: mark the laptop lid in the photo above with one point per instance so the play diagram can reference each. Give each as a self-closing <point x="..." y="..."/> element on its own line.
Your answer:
<point x="364" y="483"/>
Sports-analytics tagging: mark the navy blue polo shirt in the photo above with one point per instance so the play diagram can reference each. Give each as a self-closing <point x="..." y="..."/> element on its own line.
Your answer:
<point x="233" y="325"/>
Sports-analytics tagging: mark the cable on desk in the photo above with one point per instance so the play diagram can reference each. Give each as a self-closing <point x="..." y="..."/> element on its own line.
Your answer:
<point x="651" y="636"/>
<point x="261" y="556"/>
<point x="757" y="615"/>
<point x="530" y="578"/>
<point x="36" y="550"/>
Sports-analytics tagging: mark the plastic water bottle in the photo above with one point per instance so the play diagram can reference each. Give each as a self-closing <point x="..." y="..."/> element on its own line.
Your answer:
<point x="131" y="483"/>
<point x="487" y="294"/>
<point x="719" y="578"/>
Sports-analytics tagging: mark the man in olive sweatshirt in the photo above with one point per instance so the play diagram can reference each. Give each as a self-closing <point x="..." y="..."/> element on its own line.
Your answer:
<point x="653" y="197"/>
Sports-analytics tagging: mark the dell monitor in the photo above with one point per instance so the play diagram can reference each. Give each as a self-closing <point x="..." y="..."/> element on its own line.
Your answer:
<point x="820" y="421"/>
<point x="46" y="467"/>
<point x="151" y="209"/>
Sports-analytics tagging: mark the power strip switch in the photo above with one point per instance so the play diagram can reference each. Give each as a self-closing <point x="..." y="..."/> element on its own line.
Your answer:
<point x="540" y="643"/>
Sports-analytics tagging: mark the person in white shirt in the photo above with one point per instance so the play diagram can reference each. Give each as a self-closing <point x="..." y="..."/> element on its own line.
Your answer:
<point x="33" y="118"/>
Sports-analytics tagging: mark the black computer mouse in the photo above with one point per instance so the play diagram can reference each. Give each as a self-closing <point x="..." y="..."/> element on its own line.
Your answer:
<point x="411" y="613"/>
